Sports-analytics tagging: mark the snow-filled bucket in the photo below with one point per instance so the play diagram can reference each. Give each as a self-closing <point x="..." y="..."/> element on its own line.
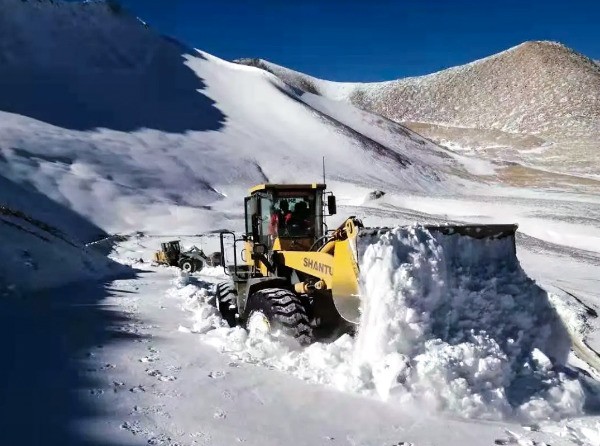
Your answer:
<point x="352" y="239"/>
<point x="455" y="320"/>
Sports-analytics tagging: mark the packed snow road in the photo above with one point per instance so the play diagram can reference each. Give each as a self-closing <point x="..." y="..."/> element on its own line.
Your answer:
<point x="142" y="380"/>
<point x="133" y="361"/>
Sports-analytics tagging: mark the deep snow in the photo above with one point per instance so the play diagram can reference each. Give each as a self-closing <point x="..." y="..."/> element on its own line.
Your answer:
<point x="69" y="178"/>
<point x="448" y="324"/>
<point x="43" y="243"/>
<point x="123" y="338"/>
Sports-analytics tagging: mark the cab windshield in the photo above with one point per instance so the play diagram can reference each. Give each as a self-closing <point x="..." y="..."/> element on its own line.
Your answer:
<point x="290" y="214"/>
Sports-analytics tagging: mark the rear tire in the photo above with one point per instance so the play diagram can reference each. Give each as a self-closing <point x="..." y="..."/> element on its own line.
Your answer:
<point x="226" y="302"/>
<point x="283" y="310"/>
<point x="187" y="265"/>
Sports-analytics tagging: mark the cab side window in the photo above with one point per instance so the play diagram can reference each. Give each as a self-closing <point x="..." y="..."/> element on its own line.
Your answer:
<point x="251" y="209"/>
<point x="266" y="204"/>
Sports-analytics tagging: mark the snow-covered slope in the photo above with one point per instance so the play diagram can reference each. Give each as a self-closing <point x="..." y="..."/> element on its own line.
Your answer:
<point x="107" y="126"/>
<point x="43" y="243"/>
<point x="116" y="121"/>
<point x="133" y="131"/>
<point x="537" y="95"/>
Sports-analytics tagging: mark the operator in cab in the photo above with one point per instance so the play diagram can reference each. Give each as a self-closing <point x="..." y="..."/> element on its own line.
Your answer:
<point x="280" y="219"/>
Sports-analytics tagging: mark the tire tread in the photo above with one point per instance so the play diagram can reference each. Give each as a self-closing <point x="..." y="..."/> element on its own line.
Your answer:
<point x="226" y="302"/>
<point x="284" y="308"/>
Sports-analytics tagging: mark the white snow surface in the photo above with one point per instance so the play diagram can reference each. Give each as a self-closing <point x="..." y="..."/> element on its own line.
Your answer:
<point x="112" y="142"/>
<point x="43" y="243"/>
<point x="115" y="128"/>
<point x="127" y="164"/>
<point x="448" y="323"/>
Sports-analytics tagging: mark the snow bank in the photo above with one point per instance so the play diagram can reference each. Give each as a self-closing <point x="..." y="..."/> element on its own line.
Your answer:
<point x="32" y="259"/>
<point x="448" y="322"/>
<point x="582" y="431"/>
<point x="42" y="244"/>
<point x="457" y="323"/>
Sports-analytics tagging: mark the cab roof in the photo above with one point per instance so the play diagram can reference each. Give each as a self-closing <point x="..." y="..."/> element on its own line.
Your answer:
<point x="273" y="186"/>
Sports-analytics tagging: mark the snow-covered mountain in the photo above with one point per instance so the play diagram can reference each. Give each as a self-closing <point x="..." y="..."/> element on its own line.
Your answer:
<point x="134" y="131"/>
<point x="538" y="102"/>
<point x="109" y="109"/>
<point x="106" y="126"/>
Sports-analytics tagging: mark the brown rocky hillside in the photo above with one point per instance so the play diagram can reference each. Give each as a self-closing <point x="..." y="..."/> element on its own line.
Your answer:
<point x="537" y="103"/>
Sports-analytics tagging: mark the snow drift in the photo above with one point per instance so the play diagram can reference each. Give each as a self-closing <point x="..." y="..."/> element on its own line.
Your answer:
<point x="43" y="243"/>
<point x="448" y="322"/>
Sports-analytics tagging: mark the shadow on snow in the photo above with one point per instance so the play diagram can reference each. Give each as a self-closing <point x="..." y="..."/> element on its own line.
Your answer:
<point x="161" y="93"/>
<point x="45" y="382"/>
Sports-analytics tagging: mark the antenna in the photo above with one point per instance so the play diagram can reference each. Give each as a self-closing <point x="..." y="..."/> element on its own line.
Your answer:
<point x="323" y="201"/>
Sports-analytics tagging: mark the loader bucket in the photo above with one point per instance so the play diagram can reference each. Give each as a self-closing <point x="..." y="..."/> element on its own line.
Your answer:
<point x="457" y="245"/>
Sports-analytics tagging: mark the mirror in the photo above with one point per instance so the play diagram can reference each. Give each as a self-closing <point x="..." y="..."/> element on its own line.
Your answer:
<point x="259" y="248"/>
<point x="331" y="205"/>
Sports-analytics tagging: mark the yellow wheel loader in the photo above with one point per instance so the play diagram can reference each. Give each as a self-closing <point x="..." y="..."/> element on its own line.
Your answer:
<point x="193" y="259"/>
<point x="292" y="273"/>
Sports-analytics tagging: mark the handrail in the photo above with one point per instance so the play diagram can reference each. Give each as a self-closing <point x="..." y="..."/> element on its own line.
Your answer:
<point x="222" y="235"/>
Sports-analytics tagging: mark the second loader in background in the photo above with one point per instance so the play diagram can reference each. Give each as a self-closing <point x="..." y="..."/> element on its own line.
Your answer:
<point x="192" y="260"/>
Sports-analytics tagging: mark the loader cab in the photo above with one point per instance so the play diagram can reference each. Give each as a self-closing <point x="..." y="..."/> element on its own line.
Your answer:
<point x="171" y="251"/>
<point x="284" y="216"/>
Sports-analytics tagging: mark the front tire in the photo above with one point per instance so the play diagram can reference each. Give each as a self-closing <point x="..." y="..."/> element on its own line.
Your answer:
<point x="283" y="310"/>
<point x="226" y="302"/>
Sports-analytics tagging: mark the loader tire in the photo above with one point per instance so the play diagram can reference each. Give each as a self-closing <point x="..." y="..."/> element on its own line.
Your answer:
<point x="188" y="265"/>
<point x="226" y="302"/>
<point x="283" y="310"/>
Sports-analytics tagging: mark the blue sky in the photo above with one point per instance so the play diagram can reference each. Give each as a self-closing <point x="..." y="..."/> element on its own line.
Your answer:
<point x="357" y="40"/>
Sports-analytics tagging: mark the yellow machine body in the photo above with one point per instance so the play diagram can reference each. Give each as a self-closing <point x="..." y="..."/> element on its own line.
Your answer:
<point x="336" y="265"/>
<point x="160" y="257"/>
<point x="327" y="272"/>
